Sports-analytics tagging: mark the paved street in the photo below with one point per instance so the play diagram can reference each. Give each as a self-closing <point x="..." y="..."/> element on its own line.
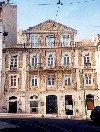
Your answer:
<point x="49" y="125"/>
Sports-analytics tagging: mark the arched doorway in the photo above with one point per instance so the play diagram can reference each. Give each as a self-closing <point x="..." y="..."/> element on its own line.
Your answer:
<point x="12" y="104"/>
<point x="34" y="104"/>
<point x="51" y="104"/>
<point x="90" y="101"/>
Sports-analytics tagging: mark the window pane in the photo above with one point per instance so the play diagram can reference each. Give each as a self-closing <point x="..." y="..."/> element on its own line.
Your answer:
<point x="32" y="82"/>
<point x="35" y="82"/>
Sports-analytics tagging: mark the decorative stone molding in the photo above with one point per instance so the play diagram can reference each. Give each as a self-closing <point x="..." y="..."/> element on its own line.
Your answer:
<point x="7" y="60"/>
<point x="80" y="58"/>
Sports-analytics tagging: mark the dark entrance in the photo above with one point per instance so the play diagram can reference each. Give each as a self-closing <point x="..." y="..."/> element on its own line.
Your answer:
<point x="12" y="104"/>
<point x="68" y="105"/>
<point x="90" y="101"/>
<point x="51" y="104"/>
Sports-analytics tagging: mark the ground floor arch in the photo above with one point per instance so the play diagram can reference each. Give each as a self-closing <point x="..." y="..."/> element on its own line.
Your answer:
<point x="12" y="104"/>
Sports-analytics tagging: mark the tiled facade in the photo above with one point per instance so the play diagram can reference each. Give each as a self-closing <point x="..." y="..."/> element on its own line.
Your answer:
<point x="50" y="74"/>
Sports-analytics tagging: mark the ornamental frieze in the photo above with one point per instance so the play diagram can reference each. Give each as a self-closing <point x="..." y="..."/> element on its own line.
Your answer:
<point x="7" y="60"/>
<point x="42" y="83"/>
<point x="58" y="57"/>
<point x="42" y="40"/>
<point x="43" y="58"/>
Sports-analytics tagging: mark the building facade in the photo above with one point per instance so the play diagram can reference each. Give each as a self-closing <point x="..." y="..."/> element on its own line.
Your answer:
<point x="8" y="32"/>
<point x="51" y="74"/>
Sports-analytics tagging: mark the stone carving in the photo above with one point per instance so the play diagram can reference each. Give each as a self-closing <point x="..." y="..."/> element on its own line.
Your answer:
<point x="80" y="58"/>
<point x="50" y="25"/>
<point x="7" y="60"/>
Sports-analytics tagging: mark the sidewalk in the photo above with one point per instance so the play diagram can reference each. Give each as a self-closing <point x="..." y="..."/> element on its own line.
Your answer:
<point x="23" y="115"/>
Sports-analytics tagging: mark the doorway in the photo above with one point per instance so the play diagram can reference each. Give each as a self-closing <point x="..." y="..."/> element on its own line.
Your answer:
<point x="68" y="105"/>
<point x="51" y="104"/>
<point x="12" y="104"/>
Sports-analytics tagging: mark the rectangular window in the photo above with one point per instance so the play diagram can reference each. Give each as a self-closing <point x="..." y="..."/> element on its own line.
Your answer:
<point x="66" y="60"/>
<point x="34" y="41"/>
<point x="13" y="81"/>
<point x="66" y="40"/>
<point x="67" y="79"/>
<point x="50" y="60"/>
<point x="34" y="81"/>
<point x="88" y="78"/>
<point x="51" y="80"/>
<point x="50" y="40"/>
<point x="13" y="61"/>
<point x="86" y="58"/>
<point x="34" y="60"/>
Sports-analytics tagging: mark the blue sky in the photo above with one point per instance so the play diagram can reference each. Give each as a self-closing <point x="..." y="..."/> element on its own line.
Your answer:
<point x="81" y="15"/>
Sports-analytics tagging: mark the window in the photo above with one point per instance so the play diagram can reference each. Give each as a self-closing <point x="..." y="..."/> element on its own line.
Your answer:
<point x="66" y="60"/>
<point x="34" y="106"/>
<point x="13" y="81"/>
<point x="34" y="81"/>
<point x="86" y="58"/>
<point x="13" y="62"/>
<point x="67" y="79"/>
<point x="34" y="60"/>
<point x="34" y="41"/>
<point x="50" y="40"/>
<point x="51" y="80"/>
<point x="88" y="78"/>
<point x="50" y="60"/>
<point x="66" y="40"/>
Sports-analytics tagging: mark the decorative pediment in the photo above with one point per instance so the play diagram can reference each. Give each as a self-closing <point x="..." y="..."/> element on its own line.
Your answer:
<point x="50" y="25"/>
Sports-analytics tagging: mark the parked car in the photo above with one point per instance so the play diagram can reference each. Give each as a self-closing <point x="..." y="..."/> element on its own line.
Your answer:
<point x="95" y="113"/>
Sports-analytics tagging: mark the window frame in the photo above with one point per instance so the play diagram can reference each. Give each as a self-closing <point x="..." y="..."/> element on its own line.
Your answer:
<point x="50" y="62"/>
<point x="66" y="56"/>
<point x="67" y="77"/>
<point x="34" y="57"/>
<point x="12" y="76"/>
<point x="48" y="37"/>
<point x="88" y="79"/>
<point x="51" y="80"/>
<point x="86" y="58"/>
<point x="34" y="41"/>
<point x="34" y="77"/>
<point x="13" y="61"/>
<point x="66" y="42"/>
